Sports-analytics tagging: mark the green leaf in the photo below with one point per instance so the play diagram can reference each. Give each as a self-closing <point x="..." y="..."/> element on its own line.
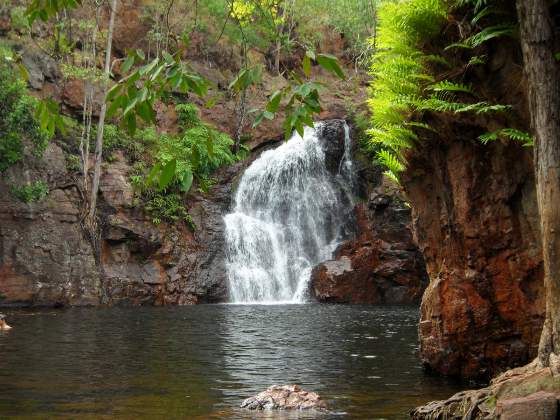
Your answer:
<point x="195" y="157"/>
<point x="330" y="63"/>
<point x="23" y="71"/>
<point x="274" y="102"/>
<point x="306" y="65"/>
<point x="186" y="182"/>
<point x="130" y="121"/>
<point x="167" y="174"/>
<point x="299" y="128"/>
<point x="114" y="106"/>
<point x="153" y="173"/>
<point x="258" y="119"/>
<point x="210" y="142"/>
<point x="146" y="112"/>
<point x="127" y="65"/>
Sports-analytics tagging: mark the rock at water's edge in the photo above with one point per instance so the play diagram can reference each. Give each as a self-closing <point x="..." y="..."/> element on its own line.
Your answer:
<point x="285" y="397"/>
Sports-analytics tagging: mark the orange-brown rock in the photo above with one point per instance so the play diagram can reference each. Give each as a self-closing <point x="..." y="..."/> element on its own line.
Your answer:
<point x="476" y="222"/>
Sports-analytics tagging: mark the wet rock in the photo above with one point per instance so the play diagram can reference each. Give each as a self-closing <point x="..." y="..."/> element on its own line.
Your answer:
<point x="332" y="134"/>
<point x="45" y="258"/>
<point x="285" y="397"/>
<point x="382" y="265"/>
<point x="3" y="323"/>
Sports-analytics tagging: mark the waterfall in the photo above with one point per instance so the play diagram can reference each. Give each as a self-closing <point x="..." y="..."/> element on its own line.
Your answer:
<point x="290" y="213"/>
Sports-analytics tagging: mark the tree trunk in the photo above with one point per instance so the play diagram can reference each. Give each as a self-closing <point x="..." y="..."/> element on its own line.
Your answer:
<point x="241" y="111"/>
<point x="542" y="71"/>
<point x="102" y="113"/>
<point x="277" y="57"/>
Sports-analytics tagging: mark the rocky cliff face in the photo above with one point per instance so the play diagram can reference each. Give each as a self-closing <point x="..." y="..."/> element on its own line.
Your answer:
<point x="166" y="264"/>
<point x="44" y="257"/>
<point x="476" y="222"/>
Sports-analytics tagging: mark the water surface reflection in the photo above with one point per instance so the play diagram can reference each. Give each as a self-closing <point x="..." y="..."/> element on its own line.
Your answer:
<point x="201" y="361"/>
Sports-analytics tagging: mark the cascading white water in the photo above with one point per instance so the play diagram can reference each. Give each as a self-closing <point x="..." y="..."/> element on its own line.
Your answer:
<point x="290" y="213"/>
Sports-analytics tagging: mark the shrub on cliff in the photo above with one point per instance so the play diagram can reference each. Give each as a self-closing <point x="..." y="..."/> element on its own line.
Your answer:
<point x="17" y="121"/>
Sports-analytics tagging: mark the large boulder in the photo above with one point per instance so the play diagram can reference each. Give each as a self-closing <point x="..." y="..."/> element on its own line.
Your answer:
<point x="526" y="393"/>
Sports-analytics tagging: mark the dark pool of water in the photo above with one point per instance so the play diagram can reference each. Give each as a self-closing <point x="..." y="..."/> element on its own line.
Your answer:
<point x="201" y="362"/>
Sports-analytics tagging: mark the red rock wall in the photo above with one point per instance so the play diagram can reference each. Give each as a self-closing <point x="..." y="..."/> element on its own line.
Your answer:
<point x="476" y="222"/>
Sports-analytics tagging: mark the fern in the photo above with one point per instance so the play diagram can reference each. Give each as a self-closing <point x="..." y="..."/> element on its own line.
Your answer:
<point x="438" y="59"/>
<point x="477" y="59"/>
<point x="402" y="86"/>
<point x="509" y="133"/>
<point x="391" y="162"/>
<point x="440" y="105"/>
<point x="478" y="4"/>
<point x="447" y="86"/>
<point x="483" y="36"/>
<point x="490" y="33"/>
<point x="399" y="75"/>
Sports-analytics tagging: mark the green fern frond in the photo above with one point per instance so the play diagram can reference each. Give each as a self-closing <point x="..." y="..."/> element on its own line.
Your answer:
<point x="437" y="59"/>
<point x="510" y="133"/>
<point x="478" y="4"/>
<point x="390" y="161"/>
<point x="461" y="44"/>
<point x="487" y="11"/>
<point x="439" y="105"/>
<point x="483" y="36"/>
<point x="477" y="59"/>
<point x="447" y="86"/>
<point x="391" y="175"/>
<point x="420" y="125"/>
<point x="490" y="33"/>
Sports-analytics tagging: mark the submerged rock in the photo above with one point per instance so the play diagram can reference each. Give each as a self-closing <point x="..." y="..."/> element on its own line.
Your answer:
<point x="285" y="397"/>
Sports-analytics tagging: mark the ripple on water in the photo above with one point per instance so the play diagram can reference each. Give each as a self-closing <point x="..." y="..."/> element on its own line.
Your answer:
<point x="201" y="362"/>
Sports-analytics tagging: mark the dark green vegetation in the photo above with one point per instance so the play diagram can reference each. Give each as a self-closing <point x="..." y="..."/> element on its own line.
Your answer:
<point x="18" y="126"/>
<point x="31" y="191"/>
<point x="424" y="65"/>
